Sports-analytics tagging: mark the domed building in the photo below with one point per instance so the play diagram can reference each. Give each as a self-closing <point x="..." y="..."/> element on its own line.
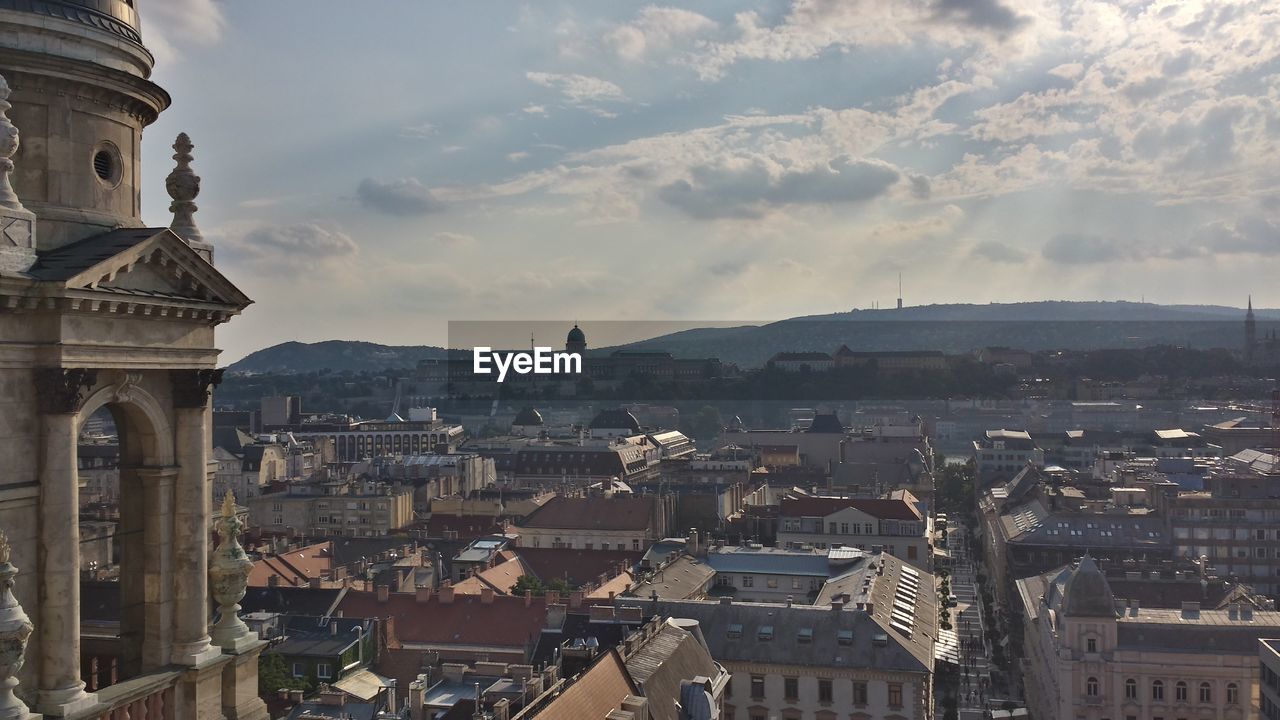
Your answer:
<point x="614" y="422"/>
<point x="528" y="422"/>
<point x="103" y="314"/>
<point x="576" y="340"/>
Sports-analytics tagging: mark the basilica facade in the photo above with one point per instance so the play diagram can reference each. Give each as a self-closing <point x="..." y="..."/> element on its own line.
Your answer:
<point x="99" y="311"/>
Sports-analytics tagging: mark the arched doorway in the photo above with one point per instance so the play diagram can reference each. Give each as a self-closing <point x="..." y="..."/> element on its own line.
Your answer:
<point x="126" y="531"/>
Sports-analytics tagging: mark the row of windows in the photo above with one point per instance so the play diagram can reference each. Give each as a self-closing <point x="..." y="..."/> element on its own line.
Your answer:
<point x="1181" y="691"/>
<point x="560" y="543"/>
<point x="791" y="691"/>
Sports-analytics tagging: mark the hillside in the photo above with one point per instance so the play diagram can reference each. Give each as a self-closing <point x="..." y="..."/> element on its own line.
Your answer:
<point x="952" y="328"/>
<point x="335" y="355"/>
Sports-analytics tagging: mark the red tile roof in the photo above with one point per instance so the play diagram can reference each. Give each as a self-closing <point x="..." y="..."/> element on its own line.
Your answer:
<point x="578" y="566"/>
<point x="505" y="622"/>
<point x="822" y="507"/>
<point x="597" y="691"/>
<point x="294" y="568"/>
<point x="593" y="513"/>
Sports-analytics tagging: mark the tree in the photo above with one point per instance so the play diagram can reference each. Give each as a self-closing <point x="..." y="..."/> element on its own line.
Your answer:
<point x="273" y="675"/>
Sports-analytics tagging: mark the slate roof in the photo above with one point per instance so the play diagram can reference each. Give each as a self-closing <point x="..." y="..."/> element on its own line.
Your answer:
<point x="528" y="416"/>
<point x="616" y="418"/>
<point x="822" y="650"/>
<point x="593" y="513"/>
<point x="1034" y="524"/>
<point x="292" y="600"/>
<point x="826" y="423"/>
<point x="823" y="506"/>
<point x="658" y="666"/>
<point x="685" y="578"/>
<point x="72" y="259"/>
<point x="769" y="561"/>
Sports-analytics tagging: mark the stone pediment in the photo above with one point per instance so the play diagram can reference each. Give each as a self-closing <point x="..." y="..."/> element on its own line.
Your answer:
<point x="143" y="262"/>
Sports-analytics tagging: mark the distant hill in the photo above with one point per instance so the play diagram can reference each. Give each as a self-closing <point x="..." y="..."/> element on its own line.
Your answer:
<point x="958" y="328"/>
<point x="952" y="328"/>
<point x="336" y="355"/>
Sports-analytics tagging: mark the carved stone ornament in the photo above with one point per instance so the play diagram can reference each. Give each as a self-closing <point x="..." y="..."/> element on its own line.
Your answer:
<point x="183" y="186"/>
<point x="124" y="387"/>
<point x="61" y="390"/>
<point x="191" y="387"/>
<point x="228" y="580"/>
<point x="8" y="146"/>
<point x="15" y="630"/>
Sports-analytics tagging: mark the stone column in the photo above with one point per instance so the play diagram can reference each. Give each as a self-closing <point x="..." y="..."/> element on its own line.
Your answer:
<point x="191" y="517"/>
<point x="15" y="630"/>
<point x="157" y="565"/>
<point x="60" y="691"/>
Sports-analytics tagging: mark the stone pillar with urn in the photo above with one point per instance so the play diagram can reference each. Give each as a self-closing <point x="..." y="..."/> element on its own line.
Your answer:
<point x="228" y="581"/>
<point x="15" y="630"/>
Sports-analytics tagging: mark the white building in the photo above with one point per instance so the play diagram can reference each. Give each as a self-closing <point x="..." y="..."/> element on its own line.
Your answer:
<point x="1091" y="656"/>
<point x="862" y="523"/>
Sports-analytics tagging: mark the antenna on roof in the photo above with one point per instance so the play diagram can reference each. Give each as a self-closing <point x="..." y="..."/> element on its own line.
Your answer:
<point x="899" y="291"/>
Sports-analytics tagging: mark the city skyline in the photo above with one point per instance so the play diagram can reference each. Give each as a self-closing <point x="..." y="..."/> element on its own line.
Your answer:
<point x="759" y="161"/>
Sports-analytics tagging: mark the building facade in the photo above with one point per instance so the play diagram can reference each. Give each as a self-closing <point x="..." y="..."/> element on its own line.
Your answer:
<point x="863" y="523"/>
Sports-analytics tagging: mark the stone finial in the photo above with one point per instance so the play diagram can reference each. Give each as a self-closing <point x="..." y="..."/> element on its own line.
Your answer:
<point x="17" y="224"/>
<point x="183" y="186"/>
<point x="229" y="577"/>
<point x="8" y="146"/>
<point x="15" y="630"/>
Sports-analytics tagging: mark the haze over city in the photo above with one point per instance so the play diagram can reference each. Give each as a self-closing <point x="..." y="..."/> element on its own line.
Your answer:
<point x="721" y="160"/>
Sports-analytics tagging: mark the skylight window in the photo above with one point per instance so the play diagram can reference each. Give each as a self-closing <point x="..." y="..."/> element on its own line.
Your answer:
<point x="735" y="630"/>
<point x="765" y="634"/>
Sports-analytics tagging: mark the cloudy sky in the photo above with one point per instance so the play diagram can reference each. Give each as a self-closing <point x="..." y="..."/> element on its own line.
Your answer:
<point x="372" y="170"/>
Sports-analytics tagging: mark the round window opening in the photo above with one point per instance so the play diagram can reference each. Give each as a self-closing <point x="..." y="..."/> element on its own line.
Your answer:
<point x="106" y="164"/>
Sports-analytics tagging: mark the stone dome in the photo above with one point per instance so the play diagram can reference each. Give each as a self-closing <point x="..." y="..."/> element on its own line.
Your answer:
<point x="576" y="335"/>
<point x="527" y="416"/>
<point x="614" y="419"/>
<point x="1087" y="592"/>
<point x="826" y="423"/>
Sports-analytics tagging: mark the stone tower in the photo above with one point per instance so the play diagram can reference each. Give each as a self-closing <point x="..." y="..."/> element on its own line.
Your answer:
<point x="1250" y="334"/>
<point x="98" y="313"/>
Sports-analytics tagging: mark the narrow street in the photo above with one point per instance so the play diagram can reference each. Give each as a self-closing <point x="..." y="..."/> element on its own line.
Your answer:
<point x="967" y="617"/>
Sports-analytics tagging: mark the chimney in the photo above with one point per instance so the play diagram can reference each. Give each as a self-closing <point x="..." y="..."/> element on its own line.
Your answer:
<point x="528" y="598"/>
<point x="423" y="594"/>
<point x="314" y="582"/>
<point x="273" y="581"/>
<point x="384" y="593"/>
<point x="555" y="616"/>
<point x="789" y="601"/>
<point x="726" y="600"/>
<point x="295" y="697"/>
<point x="836" y="605"/>
<point x="553" y="597"/>
<point x="333" y="627"/>
<point x="446" y="593"/>
<point x="486" y="596"/>
<point x="575" y="599"/>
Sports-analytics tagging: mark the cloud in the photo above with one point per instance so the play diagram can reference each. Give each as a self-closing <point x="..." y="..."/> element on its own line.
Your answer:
<point x="748" y="187"/>
<point x="452" y="238"/>
<point x="981" y="14"/>
<point x="406" y="196"/>
<point x="532" y="109"/>
<point x="173" y="24"/>
<point x="517" y="156"/>
<point x="264" y="248"/>
<point x="421" y="131"/>
<point x="1078" y="249"/>
<point x="581" y="91"/>
<point x="920" y="187"/>
<point x="996" y="251"/>
<point x="654" y="29"/>
<point x="1252" y="234"/>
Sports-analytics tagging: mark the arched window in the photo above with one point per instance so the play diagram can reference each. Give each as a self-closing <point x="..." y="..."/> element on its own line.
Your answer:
<point x="1180" y="691"/>
<point x="1206" y="692"/>
<point x="1130" y="689"/>
<point x="1233" y="694"/>
<point x="1091" y="687"/>
<point x="1157" y="690"/>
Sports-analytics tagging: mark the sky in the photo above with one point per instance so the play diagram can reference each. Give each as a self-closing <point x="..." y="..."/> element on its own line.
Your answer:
<point x="374" y="170"/>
